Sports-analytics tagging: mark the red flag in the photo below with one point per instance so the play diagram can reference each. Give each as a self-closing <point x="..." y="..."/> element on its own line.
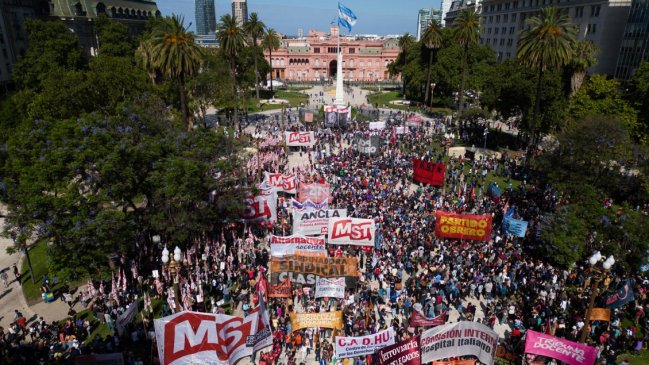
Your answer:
<point x="428" y="172"/>
<point x="262" y="286"/>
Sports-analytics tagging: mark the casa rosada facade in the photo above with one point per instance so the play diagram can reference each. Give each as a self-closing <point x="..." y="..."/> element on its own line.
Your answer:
<point x="314" y="57"/>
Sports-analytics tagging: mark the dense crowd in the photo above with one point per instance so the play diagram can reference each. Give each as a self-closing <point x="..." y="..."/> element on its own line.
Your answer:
<point x="500" y="282"/>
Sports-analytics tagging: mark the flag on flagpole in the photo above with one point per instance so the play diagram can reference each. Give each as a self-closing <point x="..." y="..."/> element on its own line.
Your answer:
<point x="346" y="17"/>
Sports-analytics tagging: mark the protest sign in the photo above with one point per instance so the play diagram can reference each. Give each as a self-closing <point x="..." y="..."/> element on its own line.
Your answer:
<point x="454" y="362"/>
<point x="306" y="270"/>
<point x="369" y="145"/>
<point x="308" y="205"/>
<point x="600" y="314"/>
<point x="262" y="207"/>
<point x="419" y="320"/>
<point x="351" y="231"/>
<point x="570" y="352"/>
<point x="315" y="222"/>
<point x="315" y="192"/>
<point x="428" y="172"/>
<point x="308" y="117"/>
<point x="282" y="290"/>
<point x="363" y="345"/>
<point x="299" y="139"/>
<point x="127" y="317"/>
<point x="206" y="338"/>
<point x="332" y="320"/>
<point x="377" y="126"/>
<point x="401" y="353"/>
<point x="332" y="288"/>
<point x="285" y="183"/>
<point x="289" y="245"/>
<point x="459" y="339"/>
<point x="463" y="226"/>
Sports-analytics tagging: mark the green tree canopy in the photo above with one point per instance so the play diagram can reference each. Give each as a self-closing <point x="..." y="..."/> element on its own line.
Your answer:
<point x="602" y="96"/>
<point x="52" y="48"/>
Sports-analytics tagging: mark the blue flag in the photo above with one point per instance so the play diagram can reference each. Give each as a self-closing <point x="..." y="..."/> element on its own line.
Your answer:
<point x="513" y="226"/>
<point x="346" y="17"/>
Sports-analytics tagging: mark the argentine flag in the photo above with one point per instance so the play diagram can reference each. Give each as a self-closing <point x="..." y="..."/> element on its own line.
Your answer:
<point x="346" y="17"/>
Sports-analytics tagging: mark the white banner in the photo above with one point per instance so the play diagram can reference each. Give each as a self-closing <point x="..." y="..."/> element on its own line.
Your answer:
<point x="294" y="139"/>
<point x="332" y="288"/>
<point x="285" y="183"/>
<point x="308" y="205"/>
<point x="289" y="245"/>
<point x="262" y="207"/>
<point x="459" y="339"/>
<point x="127" y="317"/>
<point x="206" y="338"/>
<point x="377" y="126"/>
<point x="399" y="130"/>
<point x="363" y="345"/>
<point x="351" y="231"/>
<point x="315" y="222"/>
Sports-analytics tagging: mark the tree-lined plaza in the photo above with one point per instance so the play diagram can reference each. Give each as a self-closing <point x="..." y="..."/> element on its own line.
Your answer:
<point x="135" y="177"/>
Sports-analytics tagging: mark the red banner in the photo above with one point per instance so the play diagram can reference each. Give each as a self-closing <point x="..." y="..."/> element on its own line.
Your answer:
<point x="282" y="290"/>
<point x="401" y="353"/>
<point x="428" y="172"/>
<point x="463" y="226"/>
<point x="315" y="192"/>
<point x="418" y="320"/>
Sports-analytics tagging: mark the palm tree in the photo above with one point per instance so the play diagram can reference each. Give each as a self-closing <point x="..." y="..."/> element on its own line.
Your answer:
<point x="175" y="54"/>
<point x="231" y="40"/>
<point x="432" y="38"/>
<point x="271" y="43"/>
<point x="546" y="43"/>
<point x="144" y="57"/>
<point x="582" y="60"/>
<point x="255" y="29"/>
<point x="466" y="31"/>
<point x="405" y="41"/>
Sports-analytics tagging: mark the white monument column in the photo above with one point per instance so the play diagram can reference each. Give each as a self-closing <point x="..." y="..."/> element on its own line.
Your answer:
<point x="340" y="100"/>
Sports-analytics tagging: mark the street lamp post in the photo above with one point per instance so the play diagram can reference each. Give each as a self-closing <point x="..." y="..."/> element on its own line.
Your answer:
<point x="486" y="132"/>
<point x="432" y="90"/>
<point x="598" y="276"/>
<point x="173" y="265"/>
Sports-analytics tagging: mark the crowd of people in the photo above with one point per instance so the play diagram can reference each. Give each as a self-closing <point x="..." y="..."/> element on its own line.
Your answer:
<point x="498" y="282"/>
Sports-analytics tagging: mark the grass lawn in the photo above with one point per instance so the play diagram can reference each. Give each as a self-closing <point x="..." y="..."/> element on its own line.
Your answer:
<point x="294" y="98"/>
<point x="641" y="359"/>
<point x="40" y="264"/>
<point x="384" y="99"/>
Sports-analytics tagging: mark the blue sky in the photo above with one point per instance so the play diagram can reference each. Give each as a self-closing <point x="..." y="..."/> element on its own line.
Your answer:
<point x="286" y="16"/>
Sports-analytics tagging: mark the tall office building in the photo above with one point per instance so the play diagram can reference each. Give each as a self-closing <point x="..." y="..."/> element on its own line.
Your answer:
<point x="240" y="11"/>
<point x="445" y="7"/>
<point x="205" y="17"/>
<point x="424" y="18"/>
<point x="600" y="21"/>
<point x="635" y="41"/>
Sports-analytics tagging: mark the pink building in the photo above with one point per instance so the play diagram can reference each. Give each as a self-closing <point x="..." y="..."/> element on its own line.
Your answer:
<point x="313" y="58"/>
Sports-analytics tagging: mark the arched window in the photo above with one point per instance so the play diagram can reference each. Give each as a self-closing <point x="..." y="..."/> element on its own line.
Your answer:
<point x="139" y="13"/>
<point x="158" y="13"/>
<point x="120" y="12"/>
<point x="113" y="12"/>
<point x="100" y="8"/>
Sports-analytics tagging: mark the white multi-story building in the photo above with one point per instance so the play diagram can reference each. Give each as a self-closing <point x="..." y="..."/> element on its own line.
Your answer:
<point x="425" y="17"/>
<point x="240" y="11"/>
<point x="445" y="7"/>
<point x="601" y="21"/>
